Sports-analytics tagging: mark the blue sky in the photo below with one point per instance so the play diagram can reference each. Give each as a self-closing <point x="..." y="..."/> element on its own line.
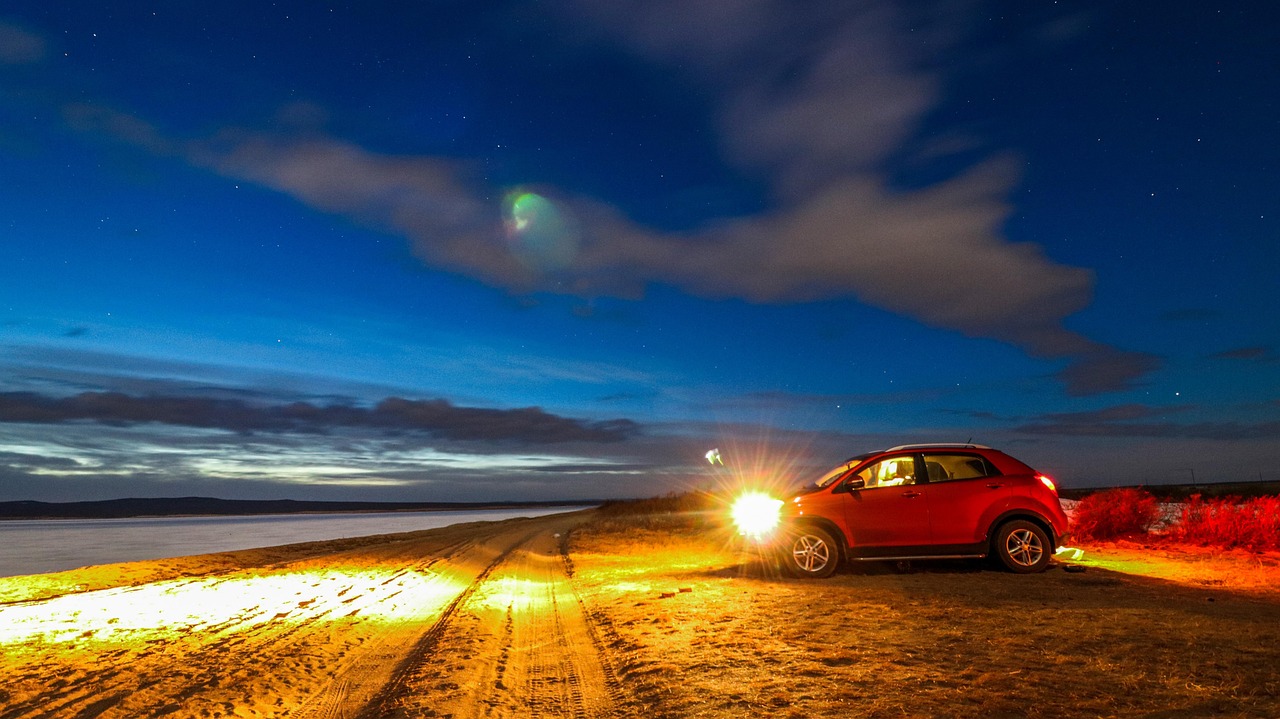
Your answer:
<point x="443" y="251"/>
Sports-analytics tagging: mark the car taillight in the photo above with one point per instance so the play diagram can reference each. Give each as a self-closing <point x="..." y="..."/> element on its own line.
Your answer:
<point x="1046" y="481"/>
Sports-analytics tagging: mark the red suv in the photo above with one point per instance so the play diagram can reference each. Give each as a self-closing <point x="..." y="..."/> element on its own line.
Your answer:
<point x="923" y="501"/>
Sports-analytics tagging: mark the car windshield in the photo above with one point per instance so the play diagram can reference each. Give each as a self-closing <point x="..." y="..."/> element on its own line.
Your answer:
<point x="838" y="470"/>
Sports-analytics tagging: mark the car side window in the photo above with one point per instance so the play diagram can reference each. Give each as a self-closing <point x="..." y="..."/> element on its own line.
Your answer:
<point x="947" y="467"/>
<point x="891" y="472"/>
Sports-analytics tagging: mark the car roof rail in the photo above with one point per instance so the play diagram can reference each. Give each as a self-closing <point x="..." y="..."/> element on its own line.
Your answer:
<point x="935" y="445"/>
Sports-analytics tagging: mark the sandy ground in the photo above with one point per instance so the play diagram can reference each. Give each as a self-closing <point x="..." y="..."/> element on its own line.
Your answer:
<point x="581" y="616"/>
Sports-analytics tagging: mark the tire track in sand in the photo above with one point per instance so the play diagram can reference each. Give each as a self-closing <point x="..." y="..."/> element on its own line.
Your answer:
<point x="519" y="643"/>
<point x="394" y="692"/>
<point x="321" y="647"/>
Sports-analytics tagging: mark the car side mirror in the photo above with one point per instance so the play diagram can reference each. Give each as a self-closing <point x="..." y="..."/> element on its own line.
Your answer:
<point x="854" y="484"/>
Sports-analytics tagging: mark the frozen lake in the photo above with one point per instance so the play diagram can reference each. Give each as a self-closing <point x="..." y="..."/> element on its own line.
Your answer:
<point x="38" y="546"/>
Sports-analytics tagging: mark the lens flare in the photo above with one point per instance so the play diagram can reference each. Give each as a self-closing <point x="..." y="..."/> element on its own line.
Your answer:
<point x="542" y="236"/>
<point x="756" y="514"/>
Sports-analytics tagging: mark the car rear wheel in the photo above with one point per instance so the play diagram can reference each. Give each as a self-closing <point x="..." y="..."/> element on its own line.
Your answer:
<point x="811" y="552"/>
<point x="1022" y="547"/>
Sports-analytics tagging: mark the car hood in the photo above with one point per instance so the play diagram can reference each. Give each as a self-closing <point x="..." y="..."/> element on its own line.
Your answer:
<point x="804" y="488"/>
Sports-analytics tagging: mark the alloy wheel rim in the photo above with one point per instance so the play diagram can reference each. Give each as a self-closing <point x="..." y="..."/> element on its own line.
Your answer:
<point x="811" y="554"/>
<point x="1024" y="547"/>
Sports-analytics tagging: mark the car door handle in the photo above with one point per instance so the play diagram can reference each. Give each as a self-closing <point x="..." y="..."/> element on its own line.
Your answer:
<point x="995" y="485"/>
<point x="911" y="494"/>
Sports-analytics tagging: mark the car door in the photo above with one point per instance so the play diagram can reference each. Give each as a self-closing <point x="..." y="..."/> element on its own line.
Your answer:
<point x="889" y="509"/>
<point x="966" y="492"/>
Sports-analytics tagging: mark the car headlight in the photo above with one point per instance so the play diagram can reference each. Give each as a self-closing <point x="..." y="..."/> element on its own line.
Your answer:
<point x="756" y="514"/>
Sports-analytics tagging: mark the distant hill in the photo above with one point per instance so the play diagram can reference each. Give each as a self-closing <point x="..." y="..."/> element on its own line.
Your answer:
<point x="186" y="506"/>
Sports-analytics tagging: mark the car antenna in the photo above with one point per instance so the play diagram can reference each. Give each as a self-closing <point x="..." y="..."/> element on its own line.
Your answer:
<point x="970" y="442"/>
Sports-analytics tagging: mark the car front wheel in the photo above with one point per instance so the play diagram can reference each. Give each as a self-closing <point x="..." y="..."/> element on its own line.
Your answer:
<point x="811" y="552"/>
<point x="1022" y="547"/>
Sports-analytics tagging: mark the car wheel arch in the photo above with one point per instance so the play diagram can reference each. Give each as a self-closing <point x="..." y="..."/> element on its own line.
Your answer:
<point x="828" y="526"/>
<point x="1032" y="517"/>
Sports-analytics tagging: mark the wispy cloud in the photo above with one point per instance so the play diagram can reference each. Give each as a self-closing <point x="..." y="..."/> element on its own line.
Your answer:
<point x="19" y="46"/>
<point x="1102" y="369"/>
<point x="819" y="125"/>
<point x="1258" y="353"/>
<point x="1137" y="420"/>
<point x="436" y="417"/>
<point x="79" y="460"/>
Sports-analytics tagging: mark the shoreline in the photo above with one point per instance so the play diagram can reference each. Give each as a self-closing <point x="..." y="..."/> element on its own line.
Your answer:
<point x="39" y="547"/>
<point x="166" y="508"/>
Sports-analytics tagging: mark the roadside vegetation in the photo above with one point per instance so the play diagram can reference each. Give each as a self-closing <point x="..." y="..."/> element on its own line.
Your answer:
<point x="1251" y="524"/>
<point x="672" y="502"/>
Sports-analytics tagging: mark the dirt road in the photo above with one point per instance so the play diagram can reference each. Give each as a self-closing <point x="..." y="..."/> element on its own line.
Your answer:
<point x="475" y="621"/>
<point x="631" y="617"/>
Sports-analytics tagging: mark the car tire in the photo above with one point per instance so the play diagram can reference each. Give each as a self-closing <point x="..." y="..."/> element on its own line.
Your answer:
<point x="1022" y="547"/>
<point x="810" y="552"/>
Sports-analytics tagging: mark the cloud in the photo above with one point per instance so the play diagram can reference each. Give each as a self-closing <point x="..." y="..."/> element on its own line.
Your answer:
<point x="974" y="414"/>
<point x="1116" y="413"/>
<point x="840" y="105"/>
<point x="23" y="460"/>
<point x="819" y="124"/>
<point x="783" y="400"/>
<point x="20" y="47"/>
<point x="932" y="254"/>
<point x="360" y="458"/>
<point x="88" y="117"/>
<point x="1105" y="369"/>
<point x="1134" y="420"/>
<point x="1249" y="354"/>
<point x="437" y="417"/>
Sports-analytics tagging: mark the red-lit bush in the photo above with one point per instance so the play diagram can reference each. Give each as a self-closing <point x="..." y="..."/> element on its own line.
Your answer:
<point x="1253" y="524"/>
<point x="1115" y="513"/>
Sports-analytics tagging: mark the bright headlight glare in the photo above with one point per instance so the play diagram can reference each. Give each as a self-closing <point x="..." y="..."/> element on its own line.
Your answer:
<point x="756" y="514"/>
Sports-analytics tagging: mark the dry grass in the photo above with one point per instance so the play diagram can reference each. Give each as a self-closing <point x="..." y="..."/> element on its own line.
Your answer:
<point x="705" y="629"/>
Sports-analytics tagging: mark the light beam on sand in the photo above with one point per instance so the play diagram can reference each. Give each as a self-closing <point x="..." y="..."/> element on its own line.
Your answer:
<point x="169" y="609"/>
<point x="516" y="594"/>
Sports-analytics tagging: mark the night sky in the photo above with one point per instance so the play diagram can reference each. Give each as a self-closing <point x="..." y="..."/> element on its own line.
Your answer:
<point x="531" y="250"/>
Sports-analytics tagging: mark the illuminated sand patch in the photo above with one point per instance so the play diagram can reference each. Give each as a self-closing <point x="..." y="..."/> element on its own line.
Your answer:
<point x="164" y="610"/>
<point x="516" y="594"/>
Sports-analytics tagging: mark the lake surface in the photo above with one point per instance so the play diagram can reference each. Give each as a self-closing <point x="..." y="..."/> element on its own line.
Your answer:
<point x="34" y="546"/>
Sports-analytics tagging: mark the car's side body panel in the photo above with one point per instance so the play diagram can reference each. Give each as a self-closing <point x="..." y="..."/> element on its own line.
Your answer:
<point x="962" y="510"/>
<point x="885" y="516"/>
